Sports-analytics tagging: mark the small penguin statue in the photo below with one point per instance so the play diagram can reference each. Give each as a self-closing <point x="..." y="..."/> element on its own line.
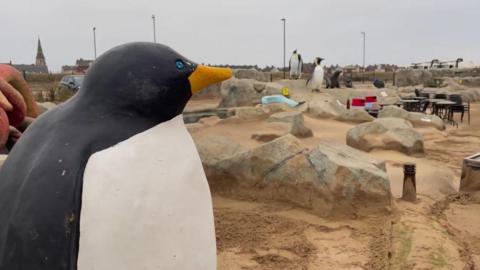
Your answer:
<point x="316" y="82"/>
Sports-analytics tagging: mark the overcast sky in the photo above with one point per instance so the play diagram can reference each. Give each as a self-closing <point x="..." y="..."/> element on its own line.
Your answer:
<point x="245" y="31"/>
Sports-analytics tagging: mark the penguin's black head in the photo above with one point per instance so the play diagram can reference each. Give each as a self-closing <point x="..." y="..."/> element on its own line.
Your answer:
<point x="318" y="60"/>
<point x="147" y="79"/>
<point x="295" y="51"/>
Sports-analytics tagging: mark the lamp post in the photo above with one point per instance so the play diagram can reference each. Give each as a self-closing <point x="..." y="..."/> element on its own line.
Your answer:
<point x="363" y="75"/>
<point x="154" y="32"/>
<point x="94" y="42"/>
<point x="284" y="47"/>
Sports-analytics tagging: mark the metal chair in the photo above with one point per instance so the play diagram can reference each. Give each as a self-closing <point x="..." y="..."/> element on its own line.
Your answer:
<point x="460" y="107"/>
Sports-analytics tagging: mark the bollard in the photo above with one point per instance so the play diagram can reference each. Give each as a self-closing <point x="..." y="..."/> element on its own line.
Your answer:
<point x="409" y="183"/>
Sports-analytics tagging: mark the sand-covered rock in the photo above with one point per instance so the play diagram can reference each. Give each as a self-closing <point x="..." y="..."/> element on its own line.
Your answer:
<point x="350" y="174"/>
<point x="236" y="92"/>
<point x="328" y="178"/>
<point x="252" y="74"/>
<point x="193" y="116"/>
<point x="386" y="133"/>
<point x="248" y="168"/>
<point x="356" y="116"/>
<point x="272" y="131"/>
<point x="276" y="108"/>
<point x="298" y="128"/>
<point x="393" y="111"/>
<point x="194" y="127"/>
<point x="325" y="108"/>
<point x="246" y="92"/>
<point x="250" y="113"/>
<point x="426" y="120"/>
<point x="212" y="91"/>
<point x="214" y="148"/>
<point x="210" y="121"/>
<point x="416" y="118"/>
<point x="280" y="124"/>
<point x="331" y="108"/>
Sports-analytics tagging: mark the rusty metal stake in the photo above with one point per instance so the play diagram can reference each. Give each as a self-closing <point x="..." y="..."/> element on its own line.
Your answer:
<point x="409" y="183"/>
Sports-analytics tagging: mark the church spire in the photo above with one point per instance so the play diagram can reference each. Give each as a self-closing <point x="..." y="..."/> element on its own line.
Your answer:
<point x="40" y="60"/>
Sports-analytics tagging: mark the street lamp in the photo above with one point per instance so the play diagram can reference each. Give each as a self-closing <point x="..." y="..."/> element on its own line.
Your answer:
<point x="284" y="49"/>
<point x="363" y="77"/>
<point x="154" y="32"/>
<point x="95" y="42"/>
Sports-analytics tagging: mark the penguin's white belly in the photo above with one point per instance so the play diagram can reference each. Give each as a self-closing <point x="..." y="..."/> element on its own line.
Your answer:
<point x="294" y="66"/>
<point x="317" y="78"/>
<point x="146" y="204"/>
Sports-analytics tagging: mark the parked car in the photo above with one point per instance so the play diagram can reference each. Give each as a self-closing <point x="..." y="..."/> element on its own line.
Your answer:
<point x="68" y="86"/>
<point x="72" y="82"/>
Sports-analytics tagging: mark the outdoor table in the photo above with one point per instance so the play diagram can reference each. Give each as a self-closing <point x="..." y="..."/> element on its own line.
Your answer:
<point x="398" y="104"/>
<point x="408" y="104"/>
<point x="419" y="98"/>
<point x="447" y="105"/>
<point x="435" y="100"/>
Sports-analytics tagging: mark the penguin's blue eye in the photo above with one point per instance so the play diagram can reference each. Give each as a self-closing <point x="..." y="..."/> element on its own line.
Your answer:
<point x="180" y="65"/>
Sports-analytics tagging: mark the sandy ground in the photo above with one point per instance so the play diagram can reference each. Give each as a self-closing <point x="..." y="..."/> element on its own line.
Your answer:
<point x="253" y="235"/>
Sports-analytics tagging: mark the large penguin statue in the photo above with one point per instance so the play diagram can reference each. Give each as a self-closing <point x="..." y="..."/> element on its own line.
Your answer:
<point x="296" y="64"/>
<point x="111" y="179"/>
<point x="315" y="83"/>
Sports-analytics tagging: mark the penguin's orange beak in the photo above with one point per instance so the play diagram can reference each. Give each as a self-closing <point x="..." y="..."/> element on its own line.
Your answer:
<point x="204" y="76"/>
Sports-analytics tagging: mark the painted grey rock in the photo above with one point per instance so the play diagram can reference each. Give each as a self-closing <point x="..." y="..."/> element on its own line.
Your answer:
<point x="356" y="116"/>
<point x="388" y="134"/>
<point x="295" y="118"/>
<point x="416" y="118"/>
<point x="325" y="108"/>
<point x="330" y="179"/>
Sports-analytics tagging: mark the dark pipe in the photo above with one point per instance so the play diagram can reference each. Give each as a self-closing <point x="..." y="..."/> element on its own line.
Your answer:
<point x="409" y="182"/>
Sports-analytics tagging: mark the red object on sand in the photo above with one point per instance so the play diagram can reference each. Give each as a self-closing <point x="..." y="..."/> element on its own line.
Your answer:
<point x="371" y="99"/>
<point x="358" y="102"/>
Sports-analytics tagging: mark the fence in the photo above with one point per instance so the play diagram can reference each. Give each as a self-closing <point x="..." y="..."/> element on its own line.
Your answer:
<point x="387" y="77"/>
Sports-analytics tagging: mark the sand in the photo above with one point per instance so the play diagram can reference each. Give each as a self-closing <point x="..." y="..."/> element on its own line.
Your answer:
<point x="254" y="235"/>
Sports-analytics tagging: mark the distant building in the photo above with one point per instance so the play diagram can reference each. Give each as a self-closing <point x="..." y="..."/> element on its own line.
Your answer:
<point x="40" y="59"/>
<point x="40" y="65"/>
<point x="81" y="66"/>
<point x="68" y="69"/>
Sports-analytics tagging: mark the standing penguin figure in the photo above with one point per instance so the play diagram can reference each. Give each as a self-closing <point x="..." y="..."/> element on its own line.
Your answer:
<point x="112" y="179"/>
<point x="295" y="65"/>
<point x="333" y="81"/>
<point x="316" y="82"/>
